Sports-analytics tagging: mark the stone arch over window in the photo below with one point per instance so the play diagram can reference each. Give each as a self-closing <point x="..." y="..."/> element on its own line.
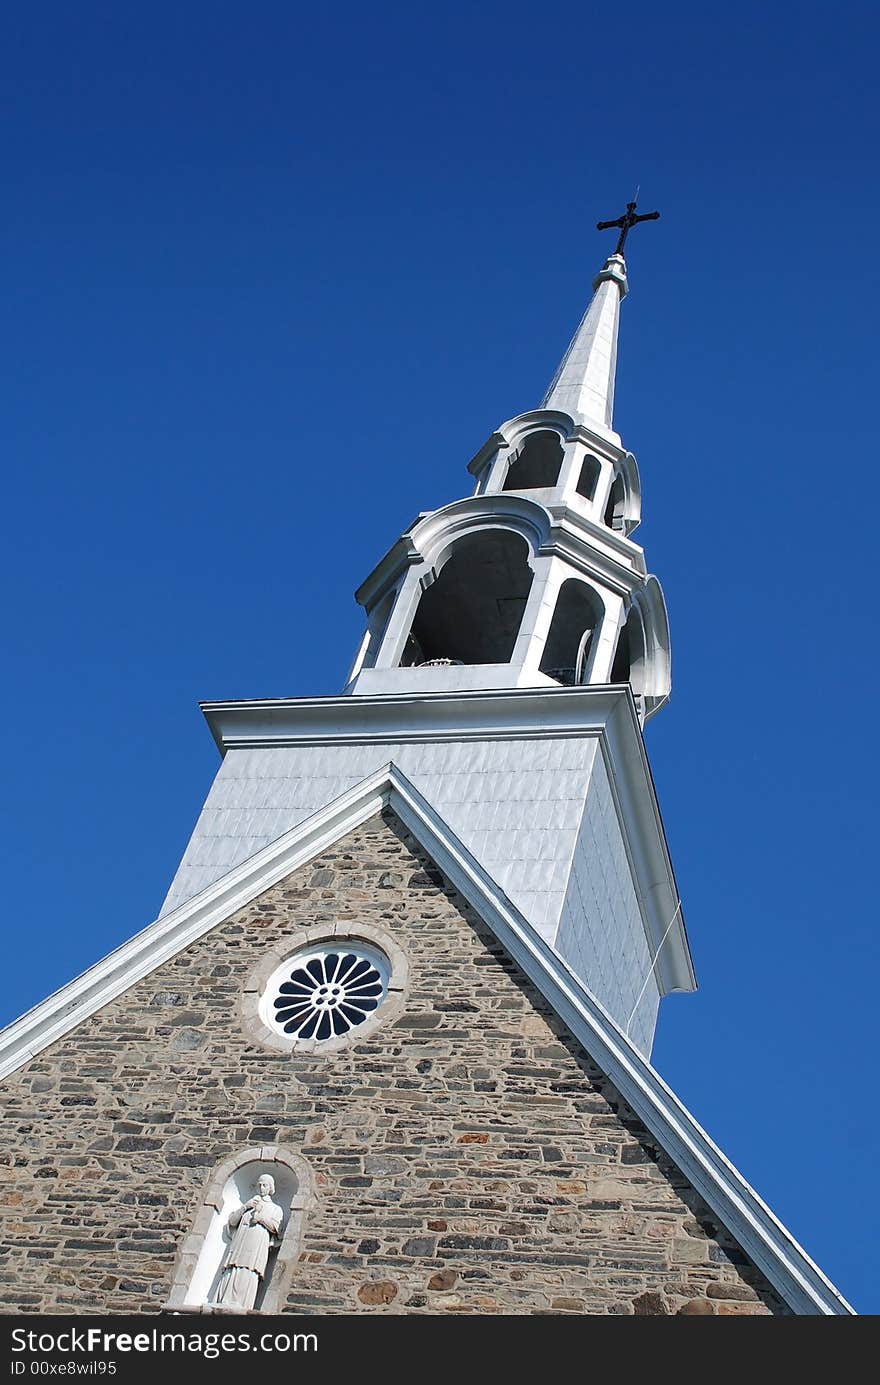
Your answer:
<point x="233" y="1182"/>
<point x="471" y="612"/>
<point x="573" y="631"/>
<point x="642" y="657"/>
<point x="537" y="464"/>
<point x="591" y="470"/>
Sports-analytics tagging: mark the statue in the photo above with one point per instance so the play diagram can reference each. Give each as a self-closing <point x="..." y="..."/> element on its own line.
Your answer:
<point x="255" y="1227"/>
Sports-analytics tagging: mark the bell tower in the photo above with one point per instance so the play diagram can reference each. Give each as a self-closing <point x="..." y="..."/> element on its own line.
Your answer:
<point x="515" y="645"/>
<point x="534" y="581"/>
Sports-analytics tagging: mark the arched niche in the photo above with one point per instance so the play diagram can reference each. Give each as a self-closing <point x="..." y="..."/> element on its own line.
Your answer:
<point x="471" y="612"/>
<point x="574" y="628"/>
<point x="537" y="464"/>
<point x="642" y="657"/>
<point x="232" y="1183"/>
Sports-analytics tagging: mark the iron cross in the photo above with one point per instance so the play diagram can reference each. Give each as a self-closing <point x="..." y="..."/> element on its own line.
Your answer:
<point x="626" y="223"/>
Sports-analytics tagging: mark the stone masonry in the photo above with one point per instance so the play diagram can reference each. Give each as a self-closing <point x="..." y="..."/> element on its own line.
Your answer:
<point x="467" y="1156"/>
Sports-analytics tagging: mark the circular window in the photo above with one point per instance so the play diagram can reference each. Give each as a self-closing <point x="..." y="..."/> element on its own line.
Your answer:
<point x="325" y="993"/>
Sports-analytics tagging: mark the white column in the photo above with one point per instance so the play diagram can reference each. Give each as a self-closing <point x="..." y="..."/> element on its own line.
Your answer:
<point x="550" y="573"/>
<point x="569" y="473"/>
<point x="401" y="619"/>
<point x="602" y="658"/>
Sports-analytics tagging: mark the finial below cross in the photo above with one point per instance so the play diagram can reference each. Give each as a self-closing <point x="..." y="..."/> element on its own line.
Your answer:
<point x="626" y="223"/>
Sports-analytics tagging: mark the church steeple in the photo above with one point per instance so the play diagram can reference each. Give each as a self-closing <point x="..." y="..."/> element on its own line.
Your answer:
<point x="509" y="635"/>
<point x="533" y="581"/>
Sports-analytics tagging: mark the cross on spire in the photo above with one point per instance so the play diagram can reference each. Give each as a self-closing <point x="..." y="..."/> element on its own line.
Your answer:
<point x="626" y="223"/>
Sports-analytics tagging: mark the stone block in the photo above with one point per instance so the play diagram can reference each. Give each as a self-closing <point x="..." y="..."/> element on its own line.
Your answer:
<point x="651" y="1304"/>
<point x="377" y="1292"/>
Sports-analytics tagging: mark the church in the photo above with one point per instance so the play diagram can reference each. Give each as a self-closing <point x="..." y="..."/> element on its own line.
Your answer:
<point x="386" y="1050"/>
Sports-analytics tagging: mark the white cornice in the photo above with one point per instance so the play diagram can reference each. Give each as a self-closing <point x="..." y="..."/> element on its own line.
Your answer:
<point x="583" y="534"/>
<point x="622" y="572"/>
<point x="510" y="432"/>
<point x="507" y="713"/>
<point x="788" y="1268"/>
<point x="557" y="529"/>
<point x="433" y="529"/>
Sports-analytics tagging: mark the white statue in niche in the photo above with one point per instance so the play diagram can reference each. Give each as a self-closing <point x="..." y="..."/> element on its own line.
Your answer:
<point x="256" y="1226"/>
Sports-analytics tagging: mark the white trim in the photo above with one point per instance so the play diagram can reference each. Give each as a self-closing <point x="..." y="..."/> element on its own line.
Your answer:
<point x="107" y="979"/>
<point x="791" y="1272"/>
<point x="774" y="1250"/>
<point x="635" y="803"/>
<point x="569" y="428"/>
<point x="557" y="529"/>
<point x="482" y="714"/>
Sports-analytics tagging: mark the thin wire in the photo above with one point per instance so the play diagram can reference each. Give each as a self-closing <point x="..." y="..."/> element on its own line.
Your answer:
<point x="651" y="968"/>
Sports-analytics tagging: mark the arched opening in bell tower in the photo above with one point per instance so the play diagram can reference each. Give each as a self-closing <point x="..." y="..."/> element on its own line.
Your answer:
<point x="588" y="479"/>
<point x="572" y="634"/>
<point x="537" y="464"/>
<point x="622" y="669"/>
<point x="615" y="510"/>
<point x="632" y="662"/>
<point x="642" y="657"/>
<point x="471" y="612"/>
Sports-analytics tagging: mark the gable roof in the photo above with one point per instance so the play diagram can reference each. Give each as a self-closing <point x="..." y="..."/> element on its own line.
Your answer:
<point x="795" y="1277"/>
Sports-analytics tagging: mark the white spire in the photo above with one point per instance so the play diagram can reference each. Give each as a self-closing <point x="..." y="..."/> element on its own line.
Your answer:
<point x="584" y="383"/>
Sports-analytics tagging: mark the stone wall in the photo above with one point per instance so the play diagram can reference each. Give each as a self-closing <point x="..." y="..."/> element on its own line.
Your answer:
<point x="467" y="1156"/>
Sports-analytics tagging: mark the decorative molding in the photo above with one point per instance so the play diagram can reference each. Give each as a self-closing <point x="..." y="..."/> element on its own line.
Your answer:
<point x="577" y="534"/>
<point x="435" y="530"/>
<point x="558" y="529"/>
<point x="481" y="714"/>
<point x="585" y="555"/>
<point x="572" y="428"/>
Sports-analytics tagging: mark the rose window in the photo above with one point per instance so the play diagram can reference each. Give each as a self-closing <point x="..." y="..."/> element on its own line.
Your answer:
<point x="325" y="993"/>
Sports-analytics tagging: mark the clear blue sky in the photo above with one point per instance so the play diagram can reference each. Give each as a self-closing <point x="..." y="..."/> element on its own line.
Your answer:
<point x="272" y="274"/>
